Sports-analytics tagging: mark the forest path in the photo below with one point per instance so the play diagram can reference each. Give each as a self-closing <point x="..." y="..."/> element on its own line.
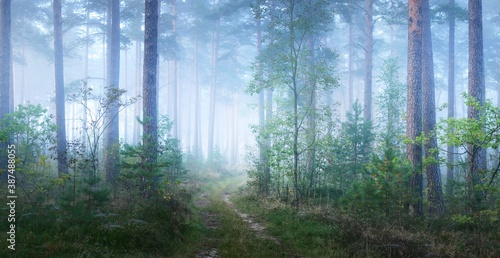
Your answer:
<point x="258" y="228"/>
<point x="211" y="221"/>
<point x="230" y="232"/>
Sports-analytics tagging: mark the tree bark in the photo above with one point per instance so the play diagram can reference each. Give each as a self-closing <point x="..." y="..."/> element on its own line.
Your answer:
<point x="311" y="120"/>
<point x="234" y="141"/>
<point x="62" y="164"/>
<point x="150" y="106"/>
<point x="414" y="105"/>
<point x="197" y="111"/>
<point x="350" y="69"/>
<point x="451" y="97"/>
<point x="112" y="137"/>
<point x="85" y="78"/>
<point x="175" y="85"/>
<point x="367" y="115"/>
<point x="138" y="90"/>
<point x="264" y="182"/>
<point x="5" y="61"/>
<point x="434" y="185"/>
<point x="213" y="82"/>
<point x="476" y="155"/>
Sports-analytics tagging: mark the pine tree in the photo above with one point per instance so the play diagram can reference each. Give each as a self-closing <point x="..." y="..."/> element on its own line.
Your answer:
<point x="150" y="105"/>
<point x="111" y="141"/>
<point x="433" y="173"/>
<point x="5" y="25"/>
<point x="475" y="154"/>
<point x="414" y="105"/>
<point x="62" y="164"/>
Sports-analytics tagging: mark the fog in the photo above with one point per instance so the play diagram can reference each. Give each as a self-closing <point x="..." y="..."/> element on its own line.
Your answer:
<point x="236" y="110"/>
<point x="377" y="109"/>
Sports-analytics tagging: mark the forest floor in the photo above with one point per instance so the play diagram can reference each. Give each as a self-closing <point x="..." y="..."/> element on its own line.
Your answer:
<point x="230" y="232"/>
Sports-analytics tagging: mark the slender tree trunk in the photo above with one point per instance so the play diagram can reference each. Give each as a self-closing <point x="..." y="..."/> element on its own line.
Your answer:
<point x="189" y="91"/>
<point x="125" y="86"/>
<point x="476" y="154"/>
<point x="138" y="89"/>
<point x="11" y="84"/>
<point x="295" y="146"/>
<point x="367" y="115"/>
<point x="213" y="82"/>
<point x="295" y="92"/>
<point x="414" y="105"/>
<point x="350" y="71"/>
<point x="434" y="185"/>
<point x="197" y="111"/>
<point x="175" y="85"/>
<point x="170" y="85"/>
<point x="62" y="164"/>
<point x="234" y="144"/>
<point x="86" y="79"/>
<point x="112" y="137"/>
<point x="22" y="84"/>
<point x="311" y="120"/>
<point x="451" y="97"/>
<point x="5" y="61"/>
<point x="269" y="115"/>
<point x="264" y="184"/>
<point x="150" y="106"/>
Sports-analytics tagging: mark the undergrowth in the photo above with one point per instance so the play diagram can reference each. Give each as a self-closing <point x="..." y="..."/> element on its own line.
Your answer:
<point x="328" y="231"/>
<point x="124" y="227"/>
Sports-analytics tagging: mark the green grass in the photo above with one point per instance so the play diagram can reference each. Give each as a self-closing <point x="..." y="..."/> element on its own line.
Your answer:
<point x="157" y="229"/>
<point x="309" y="236"/>
<point x="234" y="238"/>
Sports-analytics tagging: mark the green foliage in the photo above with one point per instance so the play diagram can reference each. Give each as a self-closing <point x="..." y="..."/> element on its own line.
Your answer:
<point x="31" y="129"/>
<point x="350" y="148"/>
<point x="76" y="215"/>
<point x="297" y="71"/>
<point x="136" y="229"/>
<point x="96" y="108"/>
<point x="483" y="132"/>
<point x="441" y="13"/>
<point x="470" y="135"/>
<point x="383" y="193"/>
<point x="391" y="103"/>
<point x="136" y="172"/>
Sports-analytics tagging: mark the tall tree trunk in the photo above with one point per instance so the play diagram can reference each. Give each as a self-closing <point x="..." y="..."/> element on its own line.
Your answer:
<point x="269" y="117"/>
<point x="189" y="102"/>
<point x="213" y="82"/>
<point x="264" y="184"/>
<point x="22" y="84"/>
<point x="414" y="105"/>
<point x="85" y="79"/>
<point x="434" y="186"/>
<point x="111" y="139"/>
<point x="234" y="143"/>
<point x="62" y="164"/>
<point x="5" y="61"/>
<point x="125" y="86"/>
<point x="295" y="91"/>
<point x="367" y="115"/>
<point x="451" y="97"/>
<point x="138" y="89"/>
<point x="175" y="85"/>
<point x="295" y="144"/>
<point x="11" y="84"/>
<point x="197" y="117"/>
<point x="311" y="120"/>
<point x="150" y="106"/>
<point x="476" y="154"/>
<point x="350" y="69"/>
